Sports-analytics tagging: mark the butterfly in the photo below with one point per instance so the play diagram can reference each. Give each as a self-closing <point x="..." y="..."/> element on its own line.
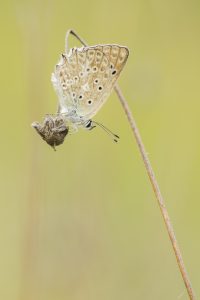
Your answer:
<point x="83" y="80"/>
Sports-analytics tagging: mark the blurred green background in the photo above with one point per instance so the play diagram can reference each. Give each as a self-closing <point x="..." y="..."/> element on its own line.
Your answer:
<point x="82" y="223"/>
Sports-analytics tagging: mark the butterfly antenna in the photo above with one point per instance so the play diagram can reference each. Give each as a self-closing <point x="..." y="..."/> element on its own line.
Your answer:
<point x="115" y="137"/>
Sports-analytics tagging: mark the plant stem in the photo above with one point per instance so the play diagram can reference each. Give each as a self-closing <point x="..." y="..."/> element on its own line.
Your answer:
<point x="157" y="192"/>
<point x="152" y="178"/>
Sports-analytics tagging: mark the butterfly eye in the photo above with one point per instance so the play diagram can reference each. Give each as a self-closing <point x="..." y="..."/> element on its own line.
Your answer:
<point x="88" y="124"/>
<point x="80" y="97"/>
<point x="89" y="102"/>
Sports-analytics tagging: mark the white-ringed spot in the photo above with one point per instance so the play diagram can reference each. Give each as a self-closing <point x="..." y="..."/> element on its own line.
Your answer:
<point x="96" y="81"/>
<point x="100" y="88"/>
<point x="76" y="78"/>
<point x="89" y="102"/>
<point x="94" y="69"/>
<point x="64" y="86"/>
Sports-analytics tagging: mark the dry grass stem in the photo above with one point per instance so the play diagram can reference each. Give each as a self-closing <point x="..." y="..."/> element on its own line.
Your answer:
<point x="157" y="192"/>
<point x="153" y="181"/>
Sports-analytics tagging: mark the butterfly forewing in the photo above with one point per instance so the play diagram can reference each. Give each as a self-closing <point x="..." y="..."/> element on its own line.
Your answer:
<point x="84" y="79"/>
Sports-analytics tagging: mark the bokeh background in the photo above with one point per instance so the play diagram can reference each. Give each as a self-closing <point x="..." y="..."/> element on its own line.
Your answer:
<point x="82" y="223"/>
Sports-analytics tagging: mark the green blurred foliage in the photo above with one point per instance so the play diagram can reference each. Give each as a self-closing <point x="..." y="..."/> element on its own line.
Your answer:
<point x="82" y="223"/>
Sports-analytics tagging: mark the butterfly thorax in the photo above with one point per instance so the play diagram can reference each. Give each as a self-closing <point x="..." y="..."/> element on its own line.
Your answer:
<point x="74" y="120"/>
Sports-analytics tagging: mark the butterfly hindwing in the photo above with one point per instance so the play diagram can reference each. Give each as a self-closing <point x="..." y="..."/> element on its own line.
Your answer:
<point x="85" y="78"/>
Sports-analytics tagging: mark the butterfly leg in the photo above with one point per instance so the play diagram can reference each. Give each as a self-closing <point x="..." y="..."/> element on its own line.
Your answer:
<point x="72" y="32"/>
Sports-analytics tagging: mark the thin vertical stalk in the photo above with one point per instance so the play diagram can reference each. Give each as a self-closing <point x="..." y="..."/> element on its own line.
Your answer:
<point x="153" y="180"/>
<point x="157" y="192"/>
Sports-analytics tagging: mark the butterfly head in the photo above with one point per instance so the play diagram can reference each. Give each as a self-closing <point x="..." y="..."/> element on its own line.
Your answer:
<point x="53" y="130"/>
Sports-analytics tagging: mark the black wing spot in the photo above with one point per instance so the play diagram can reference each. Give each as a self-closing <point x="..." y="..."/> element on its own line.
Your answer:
<point x="75" y="78"/>
<point x="100" y="88"/>
<point x="64" y="86"/>
<point x="94" y="69"/>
